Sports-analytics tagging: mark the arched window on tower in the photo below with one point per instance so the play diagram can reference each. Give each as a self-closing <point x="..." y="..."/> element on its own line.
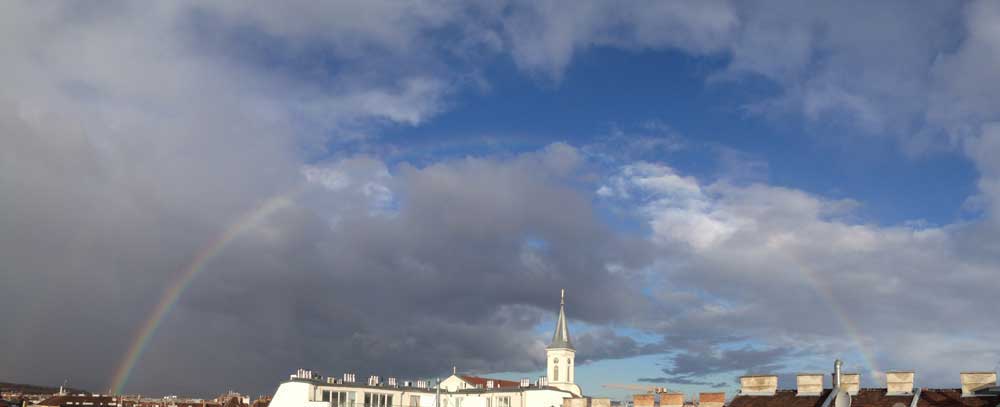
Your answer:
<point x="555" y="370"/>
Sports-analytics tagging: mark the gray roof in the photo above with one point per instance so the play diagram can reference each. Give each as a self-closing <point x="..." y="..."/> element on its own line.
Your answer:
<point x="560" y="338"/>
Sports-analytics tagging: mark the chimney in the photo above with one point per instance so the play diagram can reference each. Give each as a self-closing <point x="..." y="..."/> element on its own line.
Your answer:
<point x="836" y="373"/>
<point x="489" y="384"/>
<point x="808" y="384"/>
<point x="643" y="400"/>
<point x="710" y="399"/>
<point x="758" y="385"/>
<point x="898" y="383"/>
<point x="392" y="381"/>
<point x="671" y="399"/>
<point x="525" y="382"/>
<point x="972" y="381"/>
<point x="851" y="382"/>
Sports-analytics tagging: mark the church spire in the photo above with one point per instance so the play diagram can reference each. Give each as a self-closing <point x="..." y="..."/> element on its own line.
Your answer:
<point x="560" y="339"/>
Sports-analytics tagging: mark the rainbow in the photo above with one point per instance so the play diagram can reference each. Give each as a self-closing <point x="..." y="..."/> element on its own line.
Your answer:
<point x="850" y="328"/>
<point x="173" y="292"/>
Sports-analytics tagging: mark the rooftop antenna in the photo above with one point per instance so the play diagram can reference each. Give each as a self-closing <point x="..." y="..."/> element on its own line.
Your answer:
<point x="562" y="296"/>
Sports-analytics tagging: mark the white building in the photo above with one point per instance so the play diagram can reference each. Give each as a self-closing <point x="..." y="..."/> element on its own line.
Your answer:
<point x="305" y="389"/>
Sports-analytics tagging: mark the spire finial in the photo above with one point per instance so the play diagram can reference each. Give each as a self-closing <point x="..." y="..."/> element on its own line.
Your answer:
<point x="562" y="296"/>
<point x="454" y="370"/>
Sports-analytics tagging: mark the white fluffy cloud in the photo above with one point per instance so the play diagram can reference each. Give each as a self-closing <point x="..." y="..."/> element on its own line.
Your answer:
<point x="790" y="269"/>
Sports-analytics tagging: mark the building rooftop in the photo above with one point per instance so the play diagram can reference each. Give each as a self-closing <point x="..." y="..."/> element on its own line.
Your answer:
<point x="497" y="383"/>
<point x="870" y="397"/>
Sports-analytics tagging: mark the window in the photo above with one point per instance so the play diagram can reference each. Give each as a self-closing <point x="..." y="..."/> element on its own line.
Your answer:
<point x="555" y="369"/>
<point x="326" y="395"/>
<point x="378" y="400"/>
<point x="341" y="399"/>
<point x="503" y="401"/>
<point x="415" y="401"/>
<point x="458" y="402"/>
<point x="444" y="402"/>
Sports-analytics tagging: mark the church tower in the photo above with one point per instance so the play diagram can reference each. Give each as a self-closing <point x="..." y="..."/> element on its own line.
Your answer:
<point x="560" y="354"/>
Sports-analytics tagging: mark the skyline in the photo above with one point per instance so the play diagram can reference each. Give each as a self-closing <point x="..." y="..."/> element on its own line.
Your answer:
<point x="204" y="196"/>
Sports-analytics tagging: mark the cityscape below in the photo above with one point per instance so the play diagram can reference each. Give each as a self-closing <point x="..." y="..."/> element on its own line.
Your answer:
<point x="557" y="388"/>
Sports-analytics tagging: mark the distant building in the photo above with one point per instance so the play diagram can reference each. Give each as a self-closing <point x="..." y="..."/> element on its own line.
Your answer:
<point x="66" y="400"/>
<point x="556" y="389"/>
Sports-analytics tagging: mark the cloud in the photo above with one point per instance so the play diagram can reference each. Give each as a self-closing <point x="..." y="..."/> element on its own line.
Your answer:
<point x="699" y="364"/>
<point x="793" y="271"/>
<point x="134" y="137"/>
<point x="544" y="36"/>
<point x="604" y="343"/>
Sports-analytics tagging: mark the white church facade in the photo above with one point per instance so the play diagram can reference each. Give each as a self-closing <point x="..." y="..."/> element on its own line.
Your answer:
<point x="556" y="389"/>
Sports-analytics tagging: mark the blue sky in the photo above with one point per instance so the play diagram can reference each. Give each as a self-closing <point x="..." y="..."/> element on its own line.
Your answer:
<point x="722" y="188"/>
<point x="608" y="91"/>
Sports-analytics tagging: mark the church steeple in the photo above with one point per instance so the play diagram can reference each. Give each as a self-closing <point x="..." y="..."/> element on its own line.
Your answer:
<point x="560" y="338"/>
<point x="560" y="354"/>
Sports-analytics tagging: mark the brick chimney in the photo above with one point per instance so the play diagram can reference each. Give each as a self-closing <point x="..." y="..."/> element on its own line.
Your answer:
<point x="808" y="384"/>
<point x="711" y="399"/>
<point x="758" y="385"/>
<point x="643" y="400"/>
<point x="898" y="383"/>
<point x="671" y="399"/>
<point x="972" y="381"/>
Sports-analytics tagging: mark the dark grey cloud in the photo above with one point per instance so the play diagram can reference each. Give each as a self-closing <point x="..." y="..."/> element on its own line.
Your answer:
<point x="698" y="364"/>
<point x="693" y="367"/>
<point x="603" y="343"/>
<point x="682" y="381"/>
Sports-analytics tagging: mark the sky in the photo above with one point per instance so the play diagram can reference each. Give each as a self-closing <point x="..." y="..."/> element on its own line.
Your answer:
<point x="202" y="196"/>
